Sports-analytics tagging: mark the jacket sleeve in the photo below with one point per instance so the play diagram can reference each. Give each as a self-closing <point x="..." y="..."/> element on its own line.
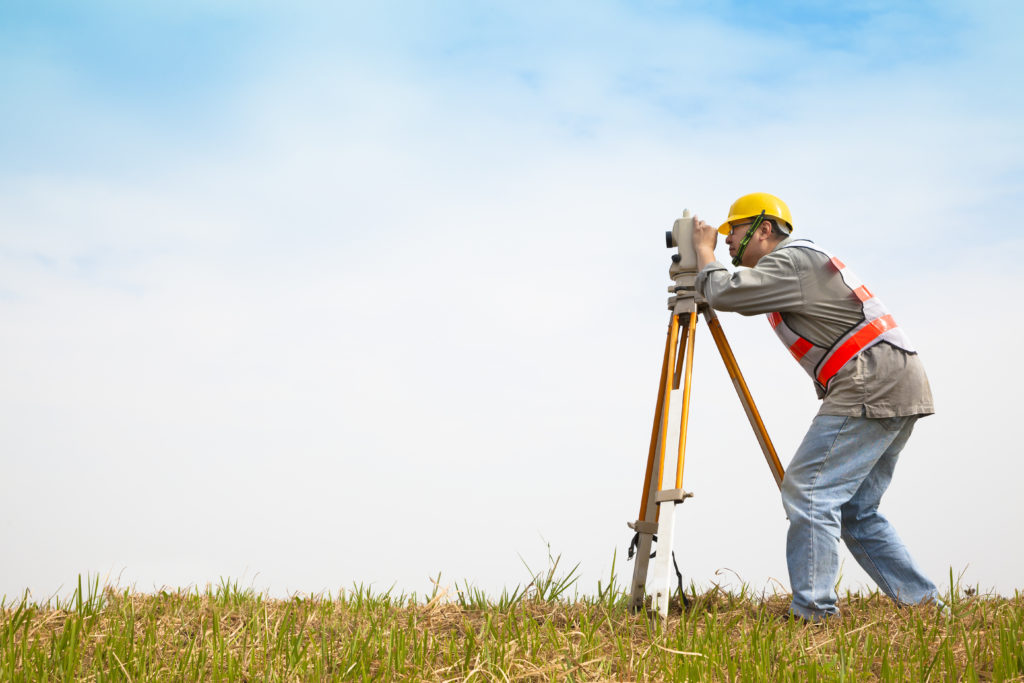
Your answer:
<point x="772" y="285"/>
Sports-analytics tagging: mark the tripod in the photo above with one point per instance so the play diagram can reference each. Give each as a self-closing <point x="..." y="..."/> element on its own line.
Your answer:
<point x="686" y="305"/>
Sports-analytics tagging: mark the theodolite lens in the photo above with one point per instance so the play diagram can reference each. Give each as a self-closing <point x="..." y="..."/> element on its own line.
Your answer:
<point x="670" y="239"/>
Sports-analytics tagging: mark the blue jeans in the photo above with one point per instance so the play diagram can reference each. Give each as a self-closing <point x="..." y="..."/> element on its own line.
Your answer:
<point x="832" y="488"/>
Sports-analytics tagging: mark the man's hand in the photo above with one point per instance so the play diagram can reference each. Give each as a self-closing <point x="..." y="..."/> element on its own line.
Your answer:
<point x="705" y="238"/>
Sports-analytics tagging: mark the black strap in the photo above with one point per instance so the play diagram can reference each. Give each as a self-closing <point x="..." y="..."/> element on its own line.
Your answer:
<point x="679" y="578"/>
<point x="636" y="541"/>
<point x="679" y="575"/>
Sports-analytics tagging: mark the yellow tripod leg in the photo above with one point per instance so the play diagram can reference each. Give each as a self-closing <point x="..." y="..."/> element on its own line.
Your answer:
<point x="685" y="418"/>
<point x="744" y="393"/>
<point x="657" y="447"/>
<point x="646" y="525"/>
<point x="673" y="332"/>
<point x="663" y="584"/>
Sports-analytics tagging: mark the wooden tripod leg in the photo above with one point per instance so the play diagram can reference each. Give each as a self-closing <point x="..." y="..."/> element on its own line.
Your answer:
<point x="673" y="333"/>
<point x="647" y="523"/>
<point x="657" y="447"/>
<point x="685" y="417"/>
<point x="663" y="586"/>
<point x="744" y="393"/>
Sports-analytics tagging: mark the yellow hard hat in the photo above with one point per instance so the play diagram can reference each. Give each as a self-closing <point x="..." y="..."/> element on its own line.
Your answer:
<point x="751" y="206"/>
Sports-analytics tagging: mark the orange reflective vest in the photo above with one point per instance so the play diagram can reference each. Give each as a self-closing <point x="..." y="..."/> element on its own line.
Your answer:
<point x="876" y="325"/>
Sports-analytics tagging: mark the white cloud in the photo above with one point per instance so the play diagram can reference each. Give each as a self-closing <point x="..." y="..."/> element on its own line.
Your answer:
<point x="397" y="303"/>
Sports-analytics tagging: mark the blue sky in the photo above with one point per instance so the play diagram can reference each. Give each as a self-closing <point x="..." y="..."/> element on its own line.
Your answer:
<point x="264" y="269"/>
<point x="181" y="74"/>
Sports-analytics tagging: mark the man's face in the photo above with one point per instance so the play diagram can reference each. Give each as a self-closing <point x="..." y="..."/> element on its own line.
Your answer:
<point x="735" y="236"/>
<point x="757" y="246"/>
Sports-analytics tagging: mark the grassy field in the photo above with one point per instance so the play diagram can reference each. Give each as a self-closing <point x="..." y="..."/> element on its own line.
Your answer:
<point x="539" y="633"/>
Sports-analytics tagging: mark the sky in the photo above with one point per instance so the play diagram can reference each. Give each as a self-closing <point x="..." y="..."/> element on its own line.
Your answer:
<point x="317" y="295"/>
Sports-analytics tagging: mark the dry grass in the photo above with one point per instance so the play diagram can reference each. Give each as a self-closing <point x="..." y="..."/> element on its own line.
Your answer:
<point x="226" y="633"/>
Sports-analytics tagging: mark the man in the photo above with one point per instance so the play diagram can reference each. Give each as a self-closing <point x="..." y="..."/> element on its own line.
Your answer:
<point x="871" y="382"/>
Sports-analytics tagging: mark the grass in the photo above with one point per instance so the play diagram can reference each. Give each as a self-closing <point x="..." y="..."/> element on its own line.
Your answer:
<point x="536" y="633"/>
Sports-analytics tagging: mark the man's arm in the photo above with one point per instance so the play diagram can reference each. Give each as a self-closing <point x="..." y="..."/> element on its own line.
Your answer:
<point x="772" y="285"/>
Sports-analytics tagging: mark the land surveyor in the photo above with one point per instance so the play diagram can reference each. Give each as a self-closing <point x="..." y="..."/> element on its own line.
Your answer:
<point x="871" y="383"/>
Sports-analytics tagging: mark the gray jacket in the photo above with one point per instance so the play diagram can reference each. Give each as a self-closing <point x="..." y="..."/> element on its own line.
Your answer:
<point x="882" y="381"/>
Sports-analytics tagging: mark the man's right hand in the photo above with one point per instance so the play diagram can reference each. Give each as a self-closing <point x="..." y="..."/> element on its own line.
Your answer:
<point x="705" y="239"/>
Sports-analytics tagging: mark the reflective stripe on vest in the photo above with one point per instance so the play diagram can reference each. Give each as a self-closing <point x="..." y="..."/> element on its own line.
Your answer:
<point x="877" y="325"/>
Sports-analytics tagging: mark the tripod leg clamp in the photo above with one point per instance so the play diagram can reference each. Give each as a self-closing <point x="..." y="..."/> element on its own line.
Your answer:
<point x="643" y="527"/>
<point x="672" y="495"/>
